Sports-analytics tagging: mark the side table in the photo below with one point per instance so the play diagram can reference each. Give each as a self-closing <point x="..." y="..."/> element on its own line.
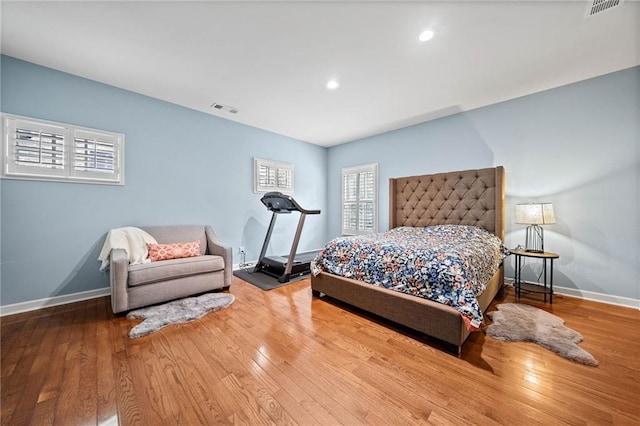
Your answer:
<point x="535" y="288"/>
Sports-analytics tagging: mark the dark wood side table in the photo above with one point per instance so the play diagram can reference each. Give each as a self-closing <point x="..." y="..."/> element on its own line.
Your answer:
<point x="535" y="288"/>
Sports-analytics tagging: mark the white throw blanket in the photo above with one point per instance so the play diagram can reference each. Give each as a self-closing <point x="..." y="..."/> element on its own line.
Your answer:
<point x="132" y="240"/>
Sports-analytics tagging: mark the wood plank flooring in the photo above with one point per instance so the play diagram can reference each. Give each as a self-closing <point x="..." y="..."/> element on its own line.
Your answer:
<point x="283" y="357"/>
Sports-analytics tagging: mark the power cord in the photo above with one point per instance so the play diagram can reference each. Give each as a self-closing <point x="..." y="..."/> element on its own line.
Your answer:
<point x="244" y="264"/>
<point x="523" y="264"/>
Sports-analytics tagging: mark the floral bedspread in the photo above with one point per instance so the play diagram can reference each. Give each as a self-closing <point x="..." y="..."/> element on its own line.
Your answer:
<point x="449" y="264"/>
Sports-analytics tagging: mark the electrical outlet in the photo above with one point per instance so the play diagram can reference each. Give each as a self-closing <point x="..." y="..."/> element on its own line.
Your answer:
<point x="241" y="250"/>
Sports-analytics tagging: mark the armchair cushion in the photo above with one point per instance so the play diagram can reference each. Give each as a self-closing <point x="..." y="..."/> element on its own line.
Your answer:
<point x="165" y="270"/>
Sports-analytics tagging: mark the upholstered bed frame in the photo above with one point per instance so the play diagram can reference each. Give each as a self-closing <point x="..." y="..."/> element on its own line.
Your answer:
<point x="470" y="197"/>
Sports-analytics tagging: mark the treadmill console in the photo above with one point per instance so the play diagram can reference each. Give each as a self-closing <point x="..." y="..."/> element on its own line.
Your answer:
<point x="278" y="202"/>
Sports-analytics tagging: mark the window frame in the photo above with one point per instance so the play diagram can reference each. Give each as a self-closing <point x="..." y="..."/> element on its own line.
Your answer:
<point x="357" y="171"/>
<point x="278" y="167"/>
<point x="71" y="135"/>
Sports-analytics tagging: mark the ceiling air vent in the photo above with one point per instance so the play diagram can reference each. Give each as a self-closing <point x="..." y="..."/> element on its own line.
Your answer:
<point x="598" y="6"/>
<point x="225" y="108"/>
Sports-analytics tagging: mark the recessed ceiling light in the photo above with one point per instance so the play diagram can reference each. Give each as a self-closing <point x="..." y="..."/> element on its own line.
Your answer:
<point x="426" y="35"/>
<point x="333" y="84"/>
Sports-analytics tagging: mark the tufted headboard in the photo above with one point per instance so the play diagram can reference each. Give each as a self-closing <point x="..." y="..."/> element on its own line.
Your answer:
<point x="469" y="197"/>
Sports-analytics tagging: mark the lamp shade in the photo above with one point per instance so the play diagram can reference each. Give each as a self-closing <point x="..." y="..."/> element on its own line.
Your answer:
<point x="535" y="214"/>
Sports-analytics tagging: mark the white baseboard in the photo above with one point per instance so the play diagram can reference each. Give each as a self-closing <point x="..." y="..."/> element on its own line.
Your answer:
<point x="33" y="305"/>
<point x="627" y="302"/>
<point x="609" y="299"/>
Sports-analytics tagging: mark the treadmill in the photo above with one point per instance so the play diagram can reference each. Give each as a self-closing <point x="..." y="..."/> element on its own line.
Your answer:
<point x="296" y="264"/>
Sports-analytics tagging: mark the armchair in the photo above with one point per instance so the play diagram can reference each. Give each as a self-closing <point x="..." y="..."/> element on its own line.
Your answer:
<point x="134" y="286"/>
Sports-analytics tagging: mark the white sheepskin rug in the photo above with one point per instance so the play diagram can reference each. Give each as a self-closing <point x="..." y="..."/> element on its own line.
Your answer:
<point x="514" y="322"/>
<point x="178" y="311"/>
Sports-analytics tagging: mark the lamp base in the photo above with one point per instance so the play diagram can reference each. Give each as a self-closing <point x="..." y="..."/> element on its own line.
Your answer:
<point x="534" y="242"/>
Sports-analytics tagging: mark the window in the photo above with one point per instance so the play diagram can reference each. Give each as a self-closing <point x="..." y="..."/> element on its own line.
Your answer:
<point x="272" y="176"/>
<point x="360" y="200"/>
<point x="45" y="150"/>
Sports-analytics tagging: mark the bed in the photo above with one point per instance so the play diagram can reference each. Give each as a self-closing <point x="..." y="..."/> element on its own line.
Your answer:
<point x="470" y="197"/>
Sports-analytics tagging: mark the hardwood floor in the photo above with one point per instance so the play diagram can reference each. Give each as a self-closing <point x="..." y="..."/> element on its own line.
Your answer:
<point x="283" y="357"/>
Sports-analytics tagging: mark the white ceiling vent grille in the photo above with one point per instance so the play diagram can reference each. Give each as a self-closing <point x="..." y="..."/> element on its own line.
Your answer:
<point x="225" y="108"/>
<point x="598" y="6"/>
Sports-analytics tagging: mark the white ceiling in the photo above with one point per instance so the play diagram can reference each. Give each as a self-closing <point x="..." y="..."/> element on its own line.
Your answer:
<point x="271" y="60"/>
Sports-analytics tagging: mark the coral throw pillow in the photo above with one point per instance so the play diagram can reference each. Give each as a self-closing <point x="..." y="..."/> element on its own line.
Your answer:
<point x="173" y="251"/>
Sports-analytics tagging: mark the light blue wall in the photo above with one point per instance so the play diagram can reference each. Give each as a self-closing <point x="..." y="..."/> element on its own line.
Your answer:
<point x="182" y="166"/>
<point x="576" y="146"/>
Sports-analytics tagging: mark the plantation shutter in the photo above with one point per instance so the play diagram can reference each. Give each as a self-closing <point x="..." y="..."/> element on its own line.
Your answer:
<point x="349" y="203"/>
<point x="267" y="177"/>
<point x="95" y="156"/>
<point x="359" y="193"/>
<point x="33" y="149"/>
<point x="285" y="179"/>
<point x="366" y="206"/>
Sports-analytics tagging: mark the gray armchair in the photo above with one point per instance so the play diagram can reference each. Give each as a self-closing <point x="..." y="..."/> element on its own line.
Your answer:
<point x="134" y="286"/>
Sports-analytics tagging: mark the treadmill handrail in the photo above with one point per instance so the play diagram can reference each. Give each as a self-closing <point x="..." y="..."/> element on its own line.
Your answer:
<point x="285" y="209"/>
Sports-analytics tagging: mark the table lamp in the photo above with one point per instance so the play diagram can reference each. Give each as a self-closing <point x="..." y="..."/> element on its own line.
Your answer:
<point x="534" y="215"/>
